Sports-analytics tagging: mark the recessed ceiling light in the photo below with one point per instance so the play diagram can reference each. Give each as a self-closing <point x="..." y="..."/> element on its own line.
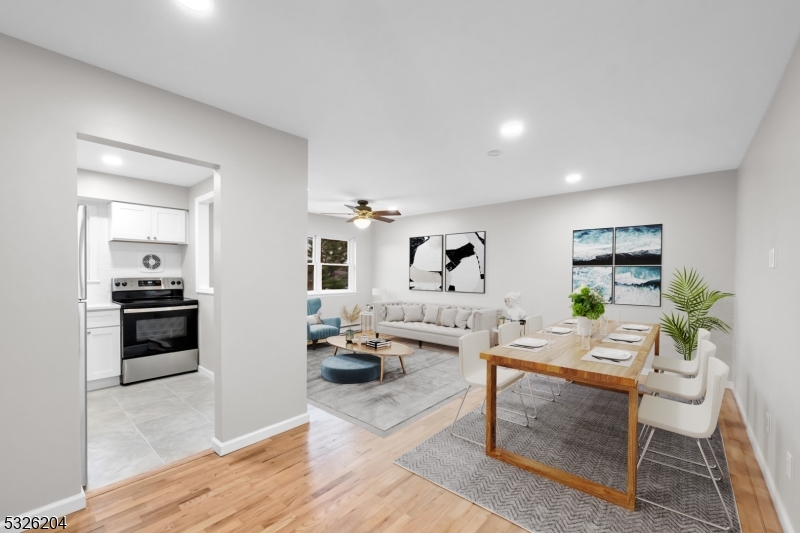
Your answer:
<point x="512" y="129"/>
<point x="573" y="178"/>
<point x="112" y="160"/>
<point x="197" y="5"/>
<point x="494" y="153"/>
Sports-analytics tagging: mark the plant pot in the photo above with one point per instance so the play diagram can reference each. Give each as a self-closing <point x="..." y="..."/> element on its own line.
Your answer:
<point x="584" y="326"/>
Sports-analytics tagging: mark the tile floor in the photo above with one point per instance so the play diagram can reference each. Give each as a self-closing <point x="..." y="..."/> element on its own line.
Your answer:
<point x="137" y="428"/>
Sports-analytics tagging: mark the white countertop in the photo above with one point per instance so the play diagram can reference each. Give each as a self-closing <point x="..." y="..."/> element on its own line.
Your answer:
<point x="106" y="306"/>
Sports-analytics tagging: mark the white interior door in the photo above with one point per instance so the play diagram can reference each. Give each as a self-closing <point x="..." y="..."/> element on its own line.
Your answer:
<point x="169" y="225"/>
<point x="130" y="221"/>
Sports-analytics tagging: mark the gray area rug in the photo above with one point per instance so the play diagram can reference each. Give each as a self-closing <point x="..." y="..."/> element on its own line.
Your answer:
<point x="433" y="379"/>
<point x="584" y="432"/>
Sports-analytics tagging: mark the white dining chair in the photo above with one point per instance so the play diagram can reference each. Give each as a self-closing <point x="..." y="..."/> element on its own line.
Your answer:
<point x="473" y="372"/>
<point x="694" y="421"/>
<point x="681" y="366"/>
<point x="686" y="388"/>
<point x="511" y="331"/>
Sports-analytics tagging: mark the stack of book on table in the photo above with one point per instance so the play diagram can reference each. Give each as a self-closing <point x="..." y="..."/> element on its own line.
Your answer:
<point x="377" y="344"/>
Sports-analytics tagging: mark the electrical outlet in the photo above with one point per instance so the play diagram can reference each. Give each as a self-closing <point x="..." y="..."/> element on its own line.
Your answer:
<point x="768" y="424"/>
<point x="772" y="257"/>
<point x="789" y="465"/>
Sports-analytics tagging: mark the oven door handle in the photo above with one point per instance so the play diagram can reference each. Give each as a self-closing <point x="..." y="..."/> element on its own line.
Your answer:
<point x="159" y="309"/>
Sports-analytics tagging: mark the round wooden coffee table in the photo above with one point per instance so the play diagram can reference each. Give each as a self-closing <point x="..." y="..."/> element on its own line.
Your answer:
<point x="395" y="350"/>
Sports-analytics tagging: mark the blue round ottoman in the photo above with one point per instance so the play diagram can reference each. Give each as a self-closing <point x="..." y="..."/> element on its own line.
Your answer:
<point x="351" y="368"/>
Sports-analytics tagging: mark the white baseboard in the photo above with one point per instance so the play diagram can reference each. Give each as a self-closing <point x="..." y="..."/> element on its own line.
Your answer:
<point x="60" y="508"/>
<point x="206" y="372"/>
<point x="224" y="448"/>
<point x="102" y="383"/>
<point x="783" y="516"/>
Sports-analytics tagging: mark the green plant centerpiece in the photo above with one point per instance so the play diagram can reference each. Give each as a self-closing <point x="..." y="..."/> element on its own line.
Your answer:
<point x="691" y="296"/>
<point x="587" y="302"/>
<point x="587" y="305"/>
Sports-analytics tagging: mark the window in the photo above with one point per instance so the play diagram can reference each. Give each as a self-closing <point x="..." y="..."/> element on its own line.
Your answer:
<point x="331" y="264"/>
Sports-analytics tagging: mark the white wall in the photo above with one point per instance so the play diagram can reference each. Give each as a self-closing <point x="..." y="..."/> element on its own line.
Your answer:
<point x="209" y="349"/>
<point x="337" y="227"/>
<point x="529" y="243"/>
<point x="767" y="361"/>
<point x="47" y="99"/>
<point x="104" y="186"/>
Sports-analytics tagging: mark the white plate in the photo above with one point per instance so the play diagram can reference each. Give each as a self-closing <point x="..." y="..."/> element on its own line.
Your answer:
<point x="624" y="337"/>
<point x="556" y="329"/>
<point x="637" y="327"/>
<point x="530" y="342"/>
<point x="609" y="353"/>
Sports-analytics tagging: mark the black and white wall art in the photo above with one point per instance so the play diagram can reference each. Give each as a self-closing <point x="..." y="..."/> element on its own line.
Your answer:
<point x="593" y="246"/>
<point x="638" y="245"/>
<point x="465" y="262"/>
<point x="595" y="277"/>
<point x="425" y="264"/>
<point x="637" y="285"/>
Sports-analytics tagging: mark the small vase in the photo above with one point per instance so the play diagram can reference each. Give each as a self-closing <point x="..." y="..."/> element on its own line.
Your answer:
<point x="583" y="326"/>
<point x="348" y="335"/>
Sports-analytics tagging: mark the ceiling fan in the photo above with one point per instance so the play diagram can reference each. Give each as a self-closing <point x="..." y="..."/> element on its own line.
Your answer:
<point x="364" y="214"/>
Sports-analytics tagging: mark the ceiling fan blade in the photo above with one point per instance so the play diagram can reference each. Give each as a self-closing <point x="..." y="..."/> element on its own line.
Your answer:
<point x="345" y="214"/>
<point x="393" y="213"/>
<point x="352" y="219"/>
<point x="354" y="208"/>
<point x="383" y="219"/>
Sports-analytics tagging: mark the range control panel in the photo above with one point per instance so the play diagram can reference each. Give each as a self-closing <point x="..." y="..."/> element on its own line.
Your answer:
<point x="145" y="284"/>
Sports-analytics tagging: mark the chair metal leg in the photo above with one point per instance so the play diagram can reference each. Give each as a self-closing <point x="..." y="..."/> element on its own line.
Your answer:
<point x="453" y="425"/>
<point x="552" y="394"/>
<point x="646" y="445"/>
<point x="524" y="408"/>
<point x="713" y="480"/>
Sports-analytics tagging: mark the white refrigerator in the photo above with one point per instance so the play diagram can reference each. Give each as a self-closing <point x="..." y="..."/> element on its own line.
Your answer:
<point x="82" y="221"/>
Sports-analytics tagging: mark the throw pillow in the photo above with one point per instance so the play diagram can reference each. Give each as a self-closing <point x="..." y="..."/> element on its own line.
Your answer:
<point x="412" y="313"/>
<point x="449" y="317"/>
<point x="431" y="313"/>
<point x="471" y="320"/>
<point x="462" y="317"/>
<point x="394" y="313"/>
<point x="314" y="319"/>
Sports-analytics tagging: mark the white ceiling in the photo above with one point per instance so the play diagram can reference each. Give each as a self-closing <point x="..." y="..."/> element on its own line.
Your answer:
<point x="401" y="100"/>
<point x="139" y="165"/>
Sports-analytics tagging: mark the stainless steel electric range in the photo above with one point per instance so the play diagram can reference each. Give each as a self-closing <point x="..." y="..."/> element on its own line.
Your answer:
<point x="159" y="328"/>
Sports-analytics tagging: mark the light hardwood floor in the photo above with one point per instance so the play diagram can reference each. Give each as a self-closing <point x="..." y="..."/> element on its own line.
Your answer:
<point x="333" y="476"/>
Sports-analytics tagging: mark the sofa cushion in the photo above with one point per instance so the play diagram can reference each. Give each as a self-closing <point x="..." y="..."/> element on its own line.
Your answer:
<point x="412" y="313"/>
<point x="394" y="313"/>
<point x="425" y="328"/>
<point x="461" y="318"/>
<point x="431" y="314"/>
<point x="448" y="317"/>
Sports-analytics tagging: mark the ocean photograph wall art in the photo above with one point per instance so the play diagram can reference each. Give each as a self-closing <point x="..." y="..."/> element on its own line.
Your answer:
<point x="638" y="245"/>
<point x="594" y="277"/>
<point x="637" y="285"/>
<point x="593" y="246"/>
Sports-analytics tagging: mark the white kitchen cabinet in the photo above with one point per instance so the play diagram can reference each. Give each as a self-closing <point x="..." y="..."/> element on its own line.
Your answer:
<point x="102" y="353"/>
<point x="144" y="223"/>
<point x="168" y="225"/>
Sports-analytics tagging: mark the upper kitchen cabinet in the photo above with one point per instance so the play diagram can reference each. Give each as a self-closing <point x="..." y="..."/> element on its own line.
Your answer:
<point x="144" y="223"/>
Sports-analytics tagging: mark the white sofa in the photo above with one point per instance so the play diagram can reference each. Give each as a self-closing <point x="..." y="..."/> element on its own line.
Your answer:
<point x="483" y="319"/>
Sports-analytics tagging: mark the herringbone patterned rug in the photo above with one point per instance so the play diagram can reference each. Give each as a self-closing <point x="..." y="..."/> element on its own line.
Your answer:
<point x="584" y="433"/>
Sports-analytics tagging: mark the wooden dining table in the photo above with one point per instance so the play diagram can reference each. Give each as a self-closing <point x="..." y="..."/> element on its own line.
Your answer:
<point x="563" y="360"/>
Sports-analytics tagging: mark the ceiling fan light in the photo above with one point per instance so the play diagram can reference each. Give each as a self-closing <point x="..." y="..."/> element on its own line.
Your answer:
<point x="362" y="222"/>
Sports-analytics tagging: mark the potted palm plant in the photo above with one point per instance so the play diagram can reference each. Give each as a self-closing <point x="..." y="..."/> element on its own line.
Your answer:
<point x="587" y="305"/>
<point x="692" y="297"/>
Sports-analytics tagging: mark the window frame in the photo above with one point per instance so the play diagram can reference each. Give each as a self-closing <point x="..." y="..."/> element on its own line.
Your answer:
<point x="318" y="264"/>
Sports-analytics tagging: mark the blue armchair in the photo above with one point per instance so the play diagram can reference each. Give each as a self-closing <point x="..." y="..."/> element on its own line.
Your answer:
<point x="328" y="328"/>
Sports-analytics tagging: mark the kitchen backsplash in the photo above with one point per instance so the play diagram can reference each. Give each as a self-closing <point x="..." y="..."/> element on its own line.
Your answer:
<point x="108" y="260"/>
